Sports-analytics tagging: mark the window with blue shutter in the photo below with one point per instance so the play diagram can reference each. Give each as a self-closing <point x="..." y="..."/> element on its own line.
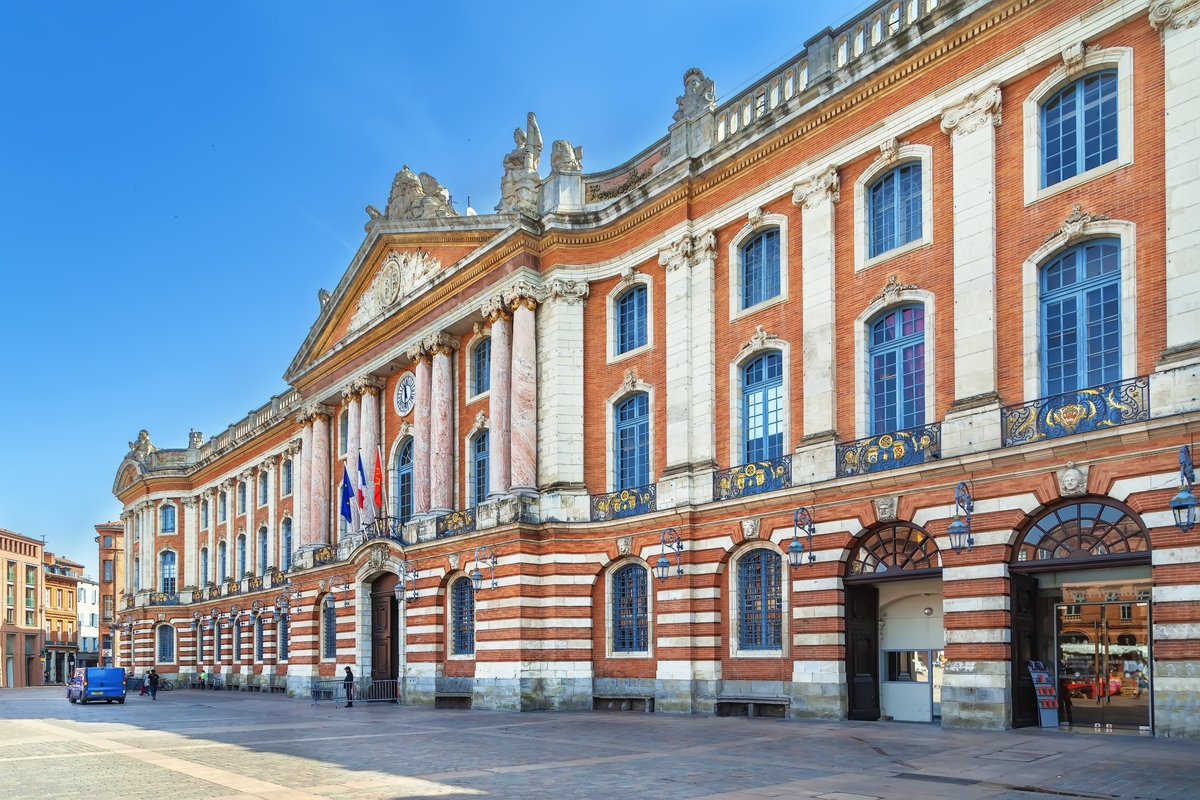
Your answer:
<point x="262" y="551"/>
<point x="482" y="358"/>
<point x="463" y="616"/>
<point x="285" y="548"/>
<point x="1079" y="127"/>
<point x="166" y="570"/>
<point x="762" y="407"/>
<point x="898" y="370"/>
<point x="402" y="481"/>
<point x="1081" y="317"/>
<point x="760" y="268"/>
<point x="166" y="644"/>
<point x="760" y="602"/>
<point x="629" y="610"/>
<point x="479" y="478"/>
<point x="632" y="320"/>
<point x="894" y="203"/>
<point x="633" y="442"/>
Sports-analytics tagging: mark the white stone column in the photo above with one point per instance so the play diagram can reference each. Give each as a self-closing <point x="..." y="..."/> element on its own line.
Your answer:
<point x="190" y="554"/>
<point x="442" y="425"/>
<point x="301" y="511"/>
<point x="368" y="427"/>
<point x="150" y="547"/>
<point x="817" y="198"/>
<point x="559" y="395"/>
<point x="972" y="422"/>
<point x="421" y="429"/>
<point x="676" y="261"/>
<point x="523" y="453"/>
<point x="351" y="459"/>
<point x="703" y="333"/>
<point x="319" y="485"/>
<point x="500" y="387"/>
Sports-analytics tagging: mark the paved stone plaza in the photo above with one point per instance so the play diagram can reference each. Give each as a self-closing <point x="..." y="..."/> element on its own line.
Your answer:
<point x="190" y="744"/>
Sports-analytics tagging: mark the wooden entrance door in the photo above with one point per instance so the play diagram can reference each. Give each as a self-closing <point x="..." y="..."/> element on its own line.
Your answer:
<point x="862" y="651"/>
<point x="385" y="653"/>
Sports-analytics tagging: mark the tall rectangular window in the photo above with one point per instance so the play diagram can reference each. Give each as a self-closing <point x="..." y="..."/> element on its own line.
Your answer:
<point x="895" y="209"/>
<point x="287" y="478"/>
<point x="479" y="481"/>
<point x="1081" y="317"/>
<point x="762" y="408"/>
<point x="329" y="635"/>
<point x="463" y="616"/>
<point x="108" y="569"/>
<point x="482" y="366"/>
<point x="262" y="488"/>
<point x="760" y="268"/>
<point x="281" y="634"/>
<point x="633" y="442"/>
<point x="898" y="370"/>
<point x="760" y="603"/>
<point x="629" y="614"/>
<point x="632" y="320"/>
<point x="1079" y="128"/>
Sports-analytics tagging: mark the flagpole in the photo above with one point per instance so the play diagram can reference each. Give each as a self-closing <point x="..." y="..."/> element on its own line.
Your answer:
<point x="379" y="479"/>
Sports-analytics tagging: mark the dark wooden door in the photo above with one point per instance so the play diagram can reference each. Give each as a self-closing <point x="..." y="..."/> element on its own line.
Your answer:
<point x="862" y="651"/>
<point x="384" y="644"/>
<point x="1024" y="649"/>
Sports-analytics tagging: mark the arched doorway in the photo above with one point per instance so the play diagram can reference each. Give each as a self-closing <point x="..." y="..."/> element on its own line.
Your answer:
<point x="1081" y="605"/>
<point x="385" y="633"/>
<point x="894" y="633"/>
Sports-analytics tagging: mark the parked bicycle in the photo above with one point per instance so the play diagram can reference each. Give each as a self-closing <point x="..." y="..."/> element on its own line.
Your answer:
<point x="165" y="685"/>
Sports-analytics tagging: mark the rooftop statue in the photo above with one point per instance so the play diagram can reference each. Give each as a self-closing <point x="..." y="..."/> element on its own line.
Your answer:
<point x="141" y="449"/>
<point x="415" y="197"/>
<point x="564" y="158"/>
<point x="519" y="186"/>
<point x="699" y="95"/>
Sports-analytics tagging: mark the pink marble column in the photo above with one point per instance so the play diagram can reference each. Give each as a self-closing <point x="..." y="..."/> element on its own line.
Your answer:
<point x="368" y="431"/>
<point x="351" y="460"/>
<point x="304" y="514"/>
<point x="442" y="428"/>
<point x="523" y="479"/>
<point x="500" y="381"/>
<point x="421" y="433"/>
<point x="319" y="472"/>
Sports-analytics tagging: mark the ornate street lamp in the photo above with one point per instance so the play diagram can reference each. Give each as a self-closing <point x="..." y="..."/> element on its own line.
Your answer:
<point x="339" y="582"/>
<point x="960" y="531"/>
<point x="670" y="541"/>
<point x="484" y="555"/>
<point x="1183" y="504"/>
<point x="408" y="579"/>
<point x="801" y="521"/>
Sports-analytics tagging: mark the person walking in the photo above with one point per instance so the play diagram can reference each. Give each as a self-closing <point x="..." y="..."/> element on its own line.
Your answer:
<point x="153" y="681"/>
<point x="348" y="681"/>
<point x="203" y="677"/>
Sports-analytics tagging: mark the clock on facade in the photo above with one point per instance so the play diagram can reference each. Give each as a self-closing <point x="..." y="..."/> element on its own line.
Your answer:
<point x="406" y="394"/>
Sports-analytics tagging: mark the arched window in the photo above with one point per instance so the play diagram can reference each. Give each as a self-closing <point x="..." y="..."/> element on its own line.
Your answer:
<point x="481" y="365"/>
<point x="166" y="644"/>
<point x="1079" y="127"/>
<point x="894" y="208"/>
<point x="630" y="619"/>
<point x="760" y="600"/>
<point x="896" y="548"/>
<point x="760" y="268"/>
<point x="262" y="488"/>
<point x="204" y="514"/>
<point x="329" y="628"/>
<point x="166" y="519"/>
<point x="402" y="482"/>
<point x="894" y="19"/>
<point x="479" y="477"/>
<point x="222" y="507"/>
<point x="462" y="614"/>
<point x="222" y="560"/>
<point x="285" y="546"/>
<point x="631" y="320"/>
<point x="1089" y="530"/>
<point x="633" y="442"/>
<point x="166" y="571"/>
<point x="237" y="638"/>
<point x="262" y="551"/>
<point x="258" y="639"/>
<point x="241" y="556"/>
<point x="286" y="478"/>
<point x="762" y="408"/>
<point x="281" y="639"/>
<point x="204" y="566"/>
<point x="1081" y="317"/>
<point x="898" y="370"/>
<point x="241" y="497"/>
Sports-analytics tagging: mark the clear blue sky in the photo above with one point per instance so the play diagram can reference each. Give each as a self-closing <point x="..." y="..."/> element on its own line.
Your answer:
<point x="177" y="180"/>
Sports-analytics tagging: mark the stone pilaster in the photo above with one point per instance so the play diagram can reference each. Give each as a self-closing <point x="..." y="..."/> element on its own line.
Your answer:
<point x="190" y="552"/>
<point x="318" y="492"/>
<point x="352" y="407"/>
<point x="302" y="482"/>
<point x="421" y="428"/>
<point x="442" y="423"/>
<point x="523" y="454"/>
<point x="500" y="385"/>
<point x="368" y="427"/>
<point x="972" y="423"/>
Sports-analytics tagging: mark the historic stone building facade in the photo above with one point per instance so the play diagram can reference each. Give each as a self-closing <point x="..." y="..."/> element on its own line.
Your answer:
<point x="944" y="260"/>
<point x="110" y="544"/>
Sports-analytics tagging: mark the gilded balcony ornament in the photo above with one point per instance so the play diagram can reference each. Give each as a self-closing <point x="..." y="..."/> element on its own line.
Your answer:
<point x="624" y="503"/>
<point x="753" y="478"/>
<point x="326" y="554"/>
<point x="889" y="451"/>
<point x="456" y="522"/>
<point x="1092" y="409"/>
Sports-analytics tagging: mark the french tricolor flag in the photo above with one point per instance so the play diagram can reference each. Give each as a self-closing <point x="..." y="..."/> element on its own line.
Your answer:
<point x="366" y="506"/>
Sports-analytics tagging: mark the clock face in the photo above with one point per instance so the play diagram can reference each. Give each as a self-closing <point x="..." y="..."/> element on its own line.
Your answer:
<point x="406" y="394"/>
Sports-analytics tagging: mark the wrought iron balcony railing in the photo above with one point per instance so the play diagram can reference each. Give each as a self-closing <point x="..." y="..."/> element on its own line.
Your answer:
<point x="386" y="528"/>
<point x="455" y="522"/>
<point x="325" y="554"/>
<point x="1096" y="408"/>
<point x="197" y="595"/>
<point x="214" y="592"/>
<point x="890" y="451"/>
<point x="164" y="599"/>
<point x="254" y="583"/>
<point x="753" y="478"/>
<point x="625" y="503"/>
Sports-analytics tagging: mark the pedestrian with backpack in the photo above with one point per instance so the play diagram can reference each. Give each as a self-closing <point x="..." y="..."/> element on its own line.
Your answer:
<point x="152" y="679"/>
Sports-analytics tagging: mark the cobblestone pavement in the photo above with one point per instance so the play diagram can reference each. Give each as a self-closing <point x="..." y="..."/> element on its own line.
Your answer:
<point x="191" y="744"/>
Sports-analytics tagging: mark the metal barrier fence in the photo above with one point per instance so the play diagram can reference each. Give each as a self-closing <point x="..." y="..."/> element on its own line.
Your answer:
<point x="365" y="690"/>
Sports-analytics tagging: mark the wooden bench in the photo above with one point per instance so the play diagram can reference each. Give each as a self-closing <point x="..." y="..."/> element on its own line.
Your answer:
<point x="234" y="684"/>
<point x="752" y="705"/>
<point x="452" y="700"/>
<point x="278" y="683"/>
<point x="624" y="701"/>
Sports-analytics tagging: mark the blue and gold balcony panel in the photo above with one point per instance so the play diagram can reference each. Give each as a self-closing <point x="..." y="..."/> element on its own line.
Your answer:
<point x="254" y="583"/>
<point x="455" y="522"/>
<point x="214" y="592"/>
<point x="325" y="554"/>
<point x="753" y="478"/>
<point x="197" y="595"/>
<point x="1093" y="409"/>
<point x="164" y="599"/>
<point x="233" y="587"/>
<point x="385" y="528"/>
<point x="893" y="450"/>
<point x="624" y="503"/>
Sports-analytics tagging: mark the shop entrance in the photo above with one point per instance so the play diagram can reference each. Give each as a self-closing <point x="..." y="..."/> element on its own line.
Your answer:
<point x="894" y="630"/>
<point x="1104" y="666"/>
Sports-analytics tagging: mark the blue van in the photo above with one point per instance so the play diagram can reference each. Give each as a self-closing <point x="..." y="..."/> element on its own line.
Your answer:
<point x="97" y="683"/>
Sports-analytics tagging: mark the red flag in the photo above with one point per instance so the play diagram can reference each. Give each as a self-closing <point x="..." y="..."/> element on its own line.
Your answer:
<point x="378" y="479"/>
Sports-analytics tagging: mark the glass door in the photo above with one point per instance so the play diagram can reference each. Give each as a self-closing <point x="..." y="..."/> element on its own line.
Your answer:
<point x="1103" y="665"/>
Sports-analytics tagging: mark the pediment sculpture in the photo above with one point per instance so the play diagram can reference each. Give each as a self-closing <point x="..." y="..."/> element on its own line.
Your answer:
<point x="398" y="277"/>
<point x="519" y="186"/>
<point x="417" y="197"/>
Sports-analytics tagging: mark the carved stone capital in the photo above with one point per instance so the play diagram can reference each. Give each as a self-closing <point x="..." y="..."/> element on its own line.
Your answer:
<point x="677" y="254"/>
<point x="368" y="384"/>
<point x="416" y="352"/>
<point x="973" y="113"/>
<point x="312" y="411"/>
<point x="823" y="187"/>
<point x="494" y="309"/>
<point x="1168" y="15"/>
<point x="349" y="392"/>
<point x="294" y="447"/>
<point x="521" y="293"/>
<point x="705" y="246"/>
<point x="440" y="343"/>
<point x="563" y="290"/>
<point x="189" y="502"/>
